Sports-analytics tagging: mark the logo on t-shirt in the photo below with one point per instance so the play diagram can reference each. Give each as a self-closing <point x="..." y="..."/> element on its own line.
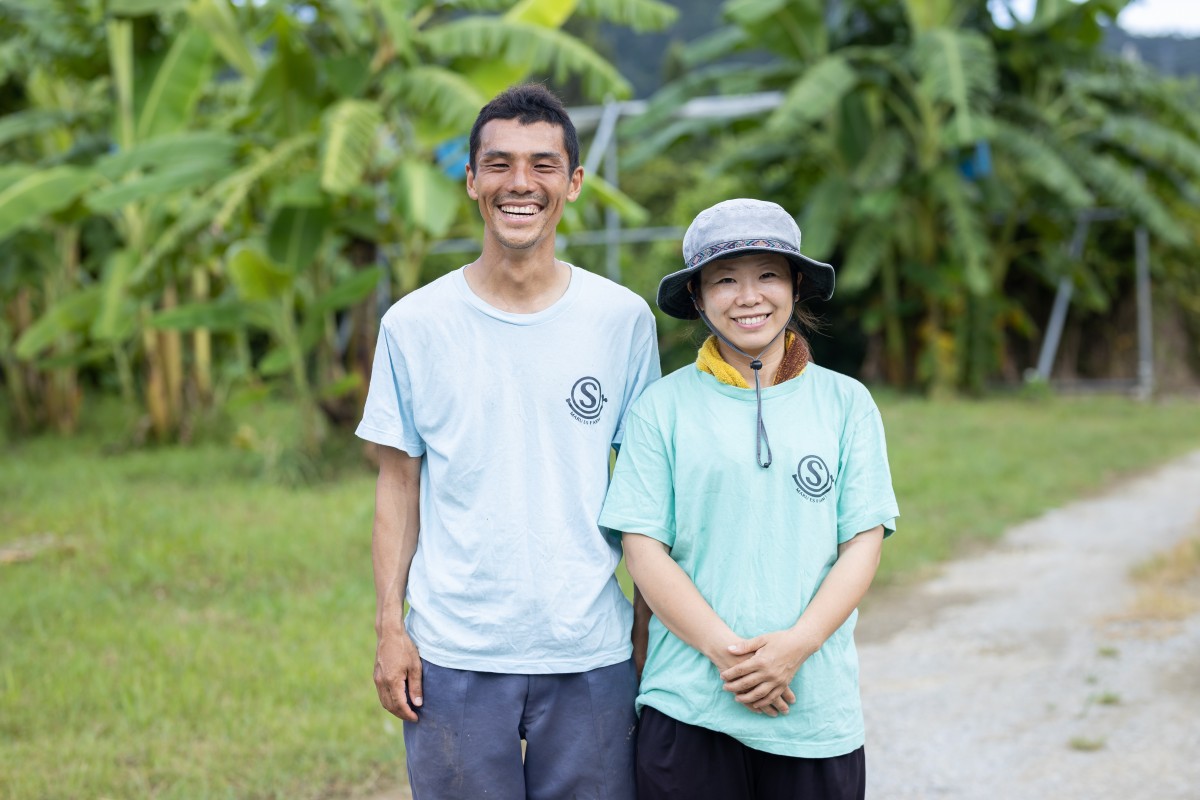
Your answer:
<point x="813" y="478"/>
<point x="586" y="400"/>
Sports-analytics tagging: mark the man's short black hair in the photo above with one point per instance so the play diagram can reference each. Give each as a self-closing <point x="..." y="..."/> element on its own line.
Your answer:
<point x="527" y="104"/>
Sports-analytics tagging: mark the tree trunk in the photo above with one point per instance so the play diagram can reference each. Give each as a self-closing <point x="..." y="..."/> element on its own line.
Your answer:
<point x="202" y="342"/>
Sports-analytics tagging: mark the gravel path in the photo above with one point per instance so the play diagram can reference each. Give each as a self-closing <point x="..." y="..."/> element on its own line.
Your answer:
<point x="1022" y="672"/>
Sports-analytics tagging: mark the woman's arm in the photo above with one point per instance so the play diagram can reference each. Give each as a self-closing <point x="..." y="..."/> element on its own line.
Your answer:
<point x="678" y="604"/>
<point x="775" y="657"/>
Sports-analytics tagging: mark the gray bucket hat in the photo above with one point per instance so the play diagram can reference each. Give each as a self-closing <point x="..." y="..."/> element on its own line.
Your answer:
<point x="737" y="227"/>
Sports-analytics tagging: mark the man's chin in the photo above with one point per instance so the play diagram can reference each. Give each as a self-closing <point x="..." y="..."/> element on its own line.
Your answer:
<point x="521" y="244"/>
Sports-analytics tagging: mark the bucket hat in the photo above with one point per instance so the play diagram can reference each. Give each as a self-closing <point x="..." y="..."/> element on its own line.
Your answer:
<point x="733" y="228"/>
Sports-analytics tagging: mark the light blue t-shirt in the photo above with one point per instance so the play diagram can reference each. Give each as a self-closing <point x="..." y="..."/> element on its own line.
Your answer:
<point x="756" y="542"/>
<point x="515" y="416"/>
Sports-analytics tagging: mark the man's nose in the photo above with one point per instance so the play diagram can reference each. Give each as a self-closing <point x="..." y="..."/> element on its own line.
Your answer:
<point x="519" y="178"/>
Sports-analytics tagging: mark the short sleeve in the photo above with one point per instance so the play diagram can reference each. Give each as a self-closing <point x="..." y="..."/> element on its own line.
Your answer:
<point x="641" y="496"/>
<point x="388" y="413"/>
<point x="865" y="494"/>
<point x="644" y="370"/>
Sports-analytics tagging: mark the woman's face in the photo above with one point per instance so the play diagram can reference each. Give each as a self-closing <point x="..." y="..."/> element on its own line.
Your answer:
<point x="748" y="298"/>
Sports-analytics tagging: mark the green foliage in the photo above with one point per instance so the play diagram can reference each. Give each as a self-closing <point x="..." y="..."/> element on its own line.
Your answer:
<point x="350" y="130"/>
<point x="177" y="85"/>
<point x="255" y="275"/>
<point x="213" y="148"/>
<point x="27" y="195"/>
<point x="544" y="49"/>
<point x="73" y="314"/>
<point x="939" y="161"/>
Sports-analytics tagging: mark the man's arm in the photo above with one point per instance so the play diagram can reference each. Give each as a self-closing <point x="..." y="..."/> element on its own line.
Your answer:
<point x="777" y="656"/>
<point x="393" y="544"/>
<point x="641" y="629"/>
<point x="676" y="601"/>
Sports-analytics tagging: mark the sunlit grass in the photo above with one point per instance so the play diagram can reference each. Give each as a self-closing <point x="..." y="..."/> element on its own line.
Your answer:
<point x="187" y="626"/>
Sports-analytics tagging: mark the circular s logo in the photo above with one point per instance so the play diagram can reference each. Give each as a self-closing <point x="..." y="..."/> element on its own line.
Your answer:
<point x="586" y="400"/>
<point x="813" y="477"/>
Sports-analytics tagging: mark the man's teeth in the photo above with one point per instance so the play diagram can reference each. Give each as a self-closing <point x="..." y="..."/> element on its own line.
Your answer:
<point x="524" y="211"/>
<point x="751" y="320"/>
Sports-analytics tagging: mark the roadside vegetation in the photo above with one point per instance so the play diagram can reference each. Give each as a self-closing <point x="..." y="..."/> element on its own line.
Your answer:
<point x="186" y="622"/>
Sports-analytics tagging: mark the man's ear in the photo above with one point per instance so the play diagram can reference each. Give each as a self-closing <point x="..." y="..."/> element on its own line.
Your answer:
<point x="576" y="185"/>
<point x="471" y="193"/>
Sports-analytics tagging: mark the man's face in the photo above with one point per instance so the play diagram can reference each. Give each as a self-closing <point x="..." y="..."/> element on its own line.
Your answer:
<point x="522" y="181"/>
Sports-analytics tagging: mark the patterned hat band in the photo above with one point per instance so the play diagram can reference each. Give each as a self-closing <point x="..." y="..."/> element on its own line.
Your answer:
<point x="711" y="251"/>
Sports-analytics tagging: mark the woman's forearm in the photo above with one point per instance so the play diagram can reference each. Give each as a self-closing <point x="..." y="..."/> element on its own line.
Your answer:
<point x="842" y="590"/>
<point x="675" y="600"/>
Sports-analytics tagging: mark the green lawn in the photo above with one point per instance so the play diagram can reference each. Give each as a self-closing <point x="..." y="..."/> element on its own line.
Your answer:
<point x="195" y="630"/>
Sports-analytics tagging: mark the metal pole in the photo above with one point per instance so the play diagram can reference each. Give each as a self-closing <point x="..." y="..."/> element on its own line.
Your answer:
<point x="612" y="220"/>
<point x="1145" y="373"/>
<point x="604" y="135"/>
<point x="1062" y="299"/>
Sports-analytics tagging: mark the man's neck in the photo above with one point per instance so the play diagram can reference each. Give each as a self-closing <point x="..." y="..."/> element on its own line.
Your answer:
<point x="518" y="284"/>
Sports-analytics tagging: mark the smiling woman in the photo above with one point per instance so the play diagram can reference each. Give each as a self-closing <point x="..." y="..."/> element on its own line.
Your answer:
<point x="753" y="568"/>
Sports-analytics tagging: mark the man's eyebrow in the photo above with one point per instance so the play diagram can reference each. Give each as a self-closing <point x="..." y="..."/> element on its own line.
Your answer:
<point x="504" y="155"/>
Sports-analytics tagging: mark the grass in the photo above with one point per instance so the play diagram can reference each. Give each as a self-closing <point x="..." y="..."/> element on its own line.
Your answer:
<point x="1169" y="583"/>
<point x="1086" y="744"/>
<point x="178" y="624"/>
<point x="964" y="471"/>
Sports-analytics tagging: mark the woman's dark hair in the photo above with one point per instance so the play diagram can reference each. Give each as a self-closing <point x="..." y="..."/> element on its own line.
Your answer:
<point x="527" y="104"/>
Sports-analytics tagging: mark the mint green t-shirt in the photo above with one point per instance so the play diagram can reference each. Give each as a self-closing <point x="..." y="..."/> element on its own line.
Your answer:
<point x="756" y="542"/>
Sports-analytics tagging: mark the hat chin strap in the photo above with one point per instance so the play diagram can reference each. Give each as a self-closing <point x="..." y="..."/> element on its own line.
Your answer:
<point x="756" y="365"/>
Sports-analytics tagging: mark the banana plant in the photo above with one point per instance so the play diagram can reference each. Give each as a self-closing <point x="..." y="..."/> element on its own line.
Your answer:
<point x="247" y="189"/>
<point x="886" y="110"/>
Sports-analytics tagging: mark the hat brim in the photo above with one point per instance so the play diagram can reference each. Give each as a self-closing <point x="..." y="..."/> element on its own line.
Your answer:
<point x="676" y="301"/>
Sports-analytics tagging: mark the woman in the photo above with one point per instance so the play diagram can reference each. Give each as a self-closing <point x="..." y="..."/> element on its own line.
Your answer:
<point x="754" y="519"/>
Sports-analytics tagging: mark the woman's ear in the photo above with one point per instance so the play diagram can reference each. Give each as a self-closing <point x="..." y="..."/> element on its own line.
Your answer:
<point x="691" y="286"/>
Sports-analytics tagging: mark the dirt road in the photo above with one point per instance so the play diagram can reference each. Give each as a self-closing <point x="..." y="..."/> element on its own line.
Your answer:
<point x="1025" y="672"/>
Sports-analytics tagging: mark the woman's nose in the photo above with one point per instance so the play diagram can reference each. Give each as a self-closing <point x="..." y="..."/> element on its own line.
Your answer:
<point x="748" y="293"/>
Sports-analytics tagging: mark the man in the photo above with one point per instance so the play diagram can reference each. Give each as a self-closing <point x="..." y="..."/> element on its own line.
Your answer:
<point x="496" y="396"/>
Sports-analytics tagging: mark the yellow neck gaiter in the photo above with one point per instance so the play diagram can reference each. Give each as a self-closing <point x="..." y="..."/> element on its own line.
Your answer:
<point x="794" y="361"/>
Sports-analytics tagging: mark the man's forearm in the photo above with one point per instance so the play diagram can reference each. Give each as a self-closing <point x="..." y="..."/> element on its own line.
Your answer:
<point x="394" y="534"/>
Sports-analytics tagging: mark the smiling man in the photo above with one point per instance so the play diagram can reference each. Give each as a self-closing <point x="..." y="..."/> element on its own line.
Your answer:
<point x="497" y="395"/>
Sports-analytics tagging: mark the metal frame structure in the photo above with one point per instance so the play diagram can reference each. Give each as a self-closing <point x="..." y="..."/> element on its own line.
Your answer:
<point x="601" y="159"/>
<point x="1143" y="385"/>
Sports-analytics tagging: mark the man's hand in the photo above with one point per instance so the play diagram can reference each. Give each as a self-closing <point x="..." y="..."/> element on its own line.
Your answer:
<point x="398" y="675"/>
<point x="766" y="665"/>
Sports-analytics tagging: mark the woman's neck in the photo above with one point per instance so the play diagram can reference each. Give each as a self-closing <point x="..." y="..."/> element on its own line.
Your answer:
<point x="770" y="359"/>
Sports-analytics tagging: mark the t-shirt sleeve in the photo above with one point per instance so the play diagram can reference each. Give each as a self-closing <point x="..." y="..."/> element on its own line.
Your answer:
<point x="644" y="370"/>
<point x="388" y="413"/>
<point x="641" y="496"/>
<point x="865" y="494"/>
